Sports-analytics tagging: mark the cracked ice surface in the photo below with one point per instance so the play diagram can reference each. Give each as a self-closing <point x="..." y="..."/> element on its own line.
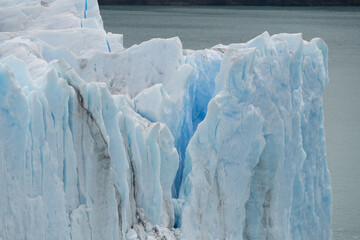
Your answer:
<point x="153" y="141"/>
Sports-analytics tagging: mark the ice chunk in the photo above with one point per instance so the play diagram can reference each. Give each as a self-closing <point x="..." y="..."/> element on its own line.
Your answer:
<point x="264" y="87"/>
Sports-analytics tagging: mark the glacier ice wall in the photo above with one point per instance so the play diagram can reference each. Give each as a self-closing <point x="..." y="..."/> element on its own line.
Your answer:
<point x="153" y="141"/>
<point x="254" y="161"/>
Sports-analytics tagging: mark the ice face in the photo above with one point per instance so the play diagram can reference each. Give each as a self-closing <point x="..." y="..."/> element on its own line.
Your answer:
<point x="153" y="141"/>
<point x="256" y="141"/>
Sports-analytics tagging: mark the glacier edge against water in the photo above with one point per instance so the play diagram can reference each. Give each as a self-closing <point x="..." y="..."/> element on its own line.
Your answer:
<point x="153" y="141"/>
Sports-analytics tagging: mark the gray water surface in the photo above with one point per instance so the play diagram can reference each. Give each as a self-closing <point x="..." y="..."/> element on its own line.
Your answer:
<point x="204" y="27"/>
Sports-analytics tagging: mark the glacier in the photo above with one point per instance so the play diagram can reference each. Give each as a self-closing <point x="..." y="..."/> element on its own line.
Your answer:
<point x="98" y="141"/>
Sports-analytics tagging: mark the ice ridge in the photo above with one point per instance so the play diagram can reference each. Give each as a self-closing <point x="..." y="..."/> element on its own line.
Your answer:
<point x="153" y="141"/>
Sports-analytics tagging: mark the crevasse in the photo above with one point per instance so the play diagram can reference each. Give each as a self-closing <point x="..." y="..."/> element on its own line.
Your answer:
<point x="153" y="141"/>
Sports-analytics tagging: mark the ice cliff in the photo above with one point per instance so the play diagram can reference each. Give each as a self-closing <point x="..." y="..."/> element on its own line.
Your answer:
<point x="153" y="141"/>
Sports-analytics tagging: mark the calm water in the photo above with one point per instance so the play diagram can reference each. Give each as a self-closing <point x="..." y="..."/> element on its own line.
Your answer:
<point x="204" y="27"/>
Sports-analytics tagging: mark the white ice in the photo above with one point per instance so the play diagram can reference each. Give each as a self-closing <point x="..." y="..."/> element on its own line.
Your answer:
<point x="153" y="141"/>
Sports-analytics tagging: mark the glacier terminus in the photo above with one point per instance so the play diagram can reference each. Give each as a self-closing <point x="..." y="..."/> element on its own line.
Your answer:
<point x="98" y="141"/>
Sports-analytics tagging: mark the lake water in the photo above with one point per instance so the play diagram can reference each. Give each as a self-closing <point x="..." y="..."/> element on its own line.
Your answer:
<point x="204" y="27"/>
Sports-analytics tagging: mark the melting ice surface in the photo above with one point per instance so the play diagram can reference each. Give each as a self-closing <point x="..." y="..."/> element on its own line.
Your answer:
<point x="153" y="141"/>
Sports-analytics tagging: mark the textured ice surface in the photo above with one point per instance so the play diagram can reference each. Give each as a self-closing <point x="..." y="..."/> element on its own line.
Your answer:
<point x="255" y="167"/>
<point x="153" y="141"/>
